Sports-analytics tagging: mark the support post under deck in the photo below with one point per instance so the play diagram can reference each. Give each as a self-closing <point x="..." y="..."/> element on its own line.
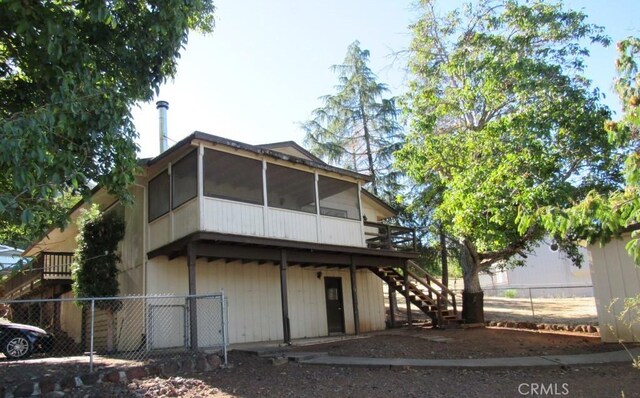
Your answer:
<point x="284" y="298"/>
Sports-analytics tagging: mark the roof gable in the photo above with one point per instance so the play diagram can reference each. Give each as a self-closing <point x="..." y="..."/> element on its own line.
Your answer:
<point x="263" y="150"/>
<point x="293" y="149"/>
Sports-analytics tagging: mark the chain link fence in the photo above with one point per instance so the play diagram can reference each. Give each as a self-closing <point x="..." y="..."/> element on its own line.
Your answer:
<point x="561" y="304"/>
<point x="139" y="328"/>
<point x="566" y="304"/>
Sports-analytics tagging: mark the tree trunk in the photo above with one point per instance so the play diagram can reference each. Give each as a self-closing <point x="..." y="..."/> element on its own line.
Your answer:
<point x="443" y="255"/>
<point x="367" y="140"/>
<point x="472" y="295"/>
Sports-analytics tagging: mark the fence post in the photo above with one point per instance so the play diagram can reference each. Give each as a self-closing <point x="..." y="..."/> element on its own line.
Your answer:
<point x="533" y="313"/>
<point x="93" y="312"/>
<point x="224" y="326"/>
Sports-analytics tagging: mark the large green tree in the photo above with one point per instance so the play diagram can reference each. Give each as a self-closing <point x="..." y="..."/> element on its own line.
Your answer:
<point x="503" y="120"/>
<point x="357" y="127"/>
<point x="603" y="214"/>
<point x="69" y="73"/>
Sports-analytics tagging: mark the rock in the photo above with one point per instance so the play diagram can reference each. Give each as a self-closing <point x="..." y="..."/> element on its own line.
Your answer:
<point x="55" y="394"/>
<point x="112" y="377"/>
<point x="201" y="364"/>
<point x="67" y="383"/>
<point x="24" y="389"/>
<point x="47" y="385"/>
<point x="170" y="368"/>
<point x="137" y="372"/>
<point x="277" y="361"/>
<point x="186" y="365"/>
<point x="214" y="361"/>
<point x="90" y="379"/>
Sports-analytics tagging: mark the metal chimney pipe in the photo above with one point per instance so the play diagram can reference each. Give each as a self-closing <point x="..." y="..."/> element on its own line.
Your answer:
<point x="162" y="107"/>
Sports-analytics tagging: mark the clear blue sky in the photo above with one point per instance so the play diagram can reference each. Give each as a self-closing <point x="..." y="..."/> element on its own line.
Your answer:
<point x="261" y="71"/>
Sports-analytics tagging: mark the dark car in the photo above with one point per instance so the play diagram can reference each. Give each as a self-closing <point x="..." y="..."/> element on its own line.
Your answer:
<point x="18" y="341"/>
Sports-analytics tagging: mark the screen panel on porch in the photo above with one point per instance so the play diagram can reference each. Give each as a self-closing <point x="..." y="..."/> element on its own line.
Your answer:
<point x="232" y="177"/>
<point x="184" y="175"/>
<point x="338" y="198"/>
<point x="159" y="200"/>
<point x="290" y="189"/>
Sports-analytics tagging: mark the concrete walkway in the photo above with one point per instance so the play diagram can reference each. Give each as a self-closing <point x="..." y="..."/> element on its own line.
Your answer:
<point x="321" y="358"/>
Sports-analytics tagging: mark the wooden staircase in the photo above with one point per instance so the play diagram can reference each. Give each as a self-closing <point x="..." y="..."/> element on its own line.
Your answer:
<point x="426" y="293"/>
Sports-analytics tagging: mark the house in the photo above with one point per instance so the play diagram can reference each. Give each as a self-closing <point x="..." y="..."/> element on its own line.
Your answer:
<point x="299" y="248"/>
<point x="9" y="257"/>
<point x="547" y="272"/>
<point x="616" y="279"/>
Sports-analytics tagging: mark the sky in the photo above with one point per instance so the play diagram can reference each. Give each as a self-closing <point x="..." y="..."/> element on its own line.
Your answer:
<point x="266" y="64"/>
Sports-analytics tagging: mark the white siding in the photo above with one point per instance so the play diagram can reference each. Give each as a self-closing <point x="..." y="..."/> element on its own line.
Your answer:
<point x="160" y="232"/>
<point x="253" y="292"/>
<point x="71" y="318"/>
<point x="543" y="268"/>
<point x="291" y="225"/>
<point x="370" y="301"/>
<point x="233" y="217"/>
<point x="615" y="278"/>
<point x="186" y="219"/>
<point x="167" y="277"/>
<point x="340" y="231"/>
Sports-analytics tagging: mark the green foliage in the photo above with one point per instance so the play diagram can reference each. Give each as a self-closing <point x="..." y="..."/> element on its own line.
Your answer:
<point x="603" y="214"/>
<point x="69" y="73"/>
<point x="510" y="293"/>
<point x="94" y="269"/>
<point x="357" y="128"/>
<point x="503" y="122"/>
<point x="22" y="235"/>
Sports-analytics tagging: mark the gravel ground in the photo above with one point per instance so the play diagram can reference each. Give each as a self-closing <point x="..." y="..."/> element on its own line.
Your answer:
<point x="252" y="376"/>
<point x="430" y="343"/>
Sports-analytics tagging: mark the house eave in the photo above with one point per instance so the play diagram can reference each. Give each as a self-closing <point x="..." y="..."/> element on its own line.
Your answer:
<point x="250" y="248"/>
<point x="256" y="149"/>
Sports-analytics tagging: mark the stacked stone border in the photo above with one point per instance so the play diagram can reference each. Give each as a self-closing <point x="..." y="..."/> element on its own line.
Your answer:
<point x="595" y="330"/>
<point x="47" y="385"/>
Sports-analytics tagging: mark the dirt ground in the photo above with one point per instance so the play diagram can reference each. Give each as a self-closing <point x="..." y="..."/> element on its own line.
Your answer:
<point x="250" y="376"/>
<point x="256" y="377"/>
<point x="427" y="343"/>
<point x="573" y="310"/>
<point x="567" y="310"/>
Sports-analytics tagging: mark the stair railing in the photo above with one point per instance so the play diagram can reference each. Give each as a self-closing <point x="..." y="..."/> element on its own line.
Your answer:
<point x="448" y="296"/>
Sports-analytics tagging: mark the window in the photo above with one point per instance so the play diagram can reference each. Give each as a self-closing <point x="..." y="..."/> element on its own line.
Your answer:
<point x="228" y="176"/>
<point x="338" y="198"/>
<point x="159" y="196"/>
<point x="290" y="189"/>
<point x="184" y="179"/>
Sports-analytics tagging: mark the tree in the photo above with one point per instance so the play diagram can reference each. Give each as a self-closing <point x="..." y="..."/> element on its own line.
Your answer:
<point x="357" y="128"/>
<point x="503" y="119"/>
<point x="95" y="261"/>
<point x="69" y="73"/>
<point x="603" y="214"/>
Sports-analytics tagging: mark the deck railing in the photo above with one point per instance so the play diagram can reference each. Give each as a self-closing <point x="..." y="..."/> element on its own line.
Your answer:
<point x="389" y="237"/>
<point x="48" y="266"/>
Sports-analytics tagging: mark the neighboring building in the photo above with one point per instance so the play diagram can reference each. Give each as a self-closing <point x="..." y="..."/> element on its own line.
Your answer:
<point x="548" y="272"/>
<point x="297" y="245"/>
<point x="9" y="256"/>
<point x="615" y="279"/>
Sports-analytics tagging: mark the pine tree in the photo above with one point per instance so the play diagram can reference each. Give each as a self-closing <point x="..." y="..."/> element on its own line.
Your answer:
<point x="357" y="127"/>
